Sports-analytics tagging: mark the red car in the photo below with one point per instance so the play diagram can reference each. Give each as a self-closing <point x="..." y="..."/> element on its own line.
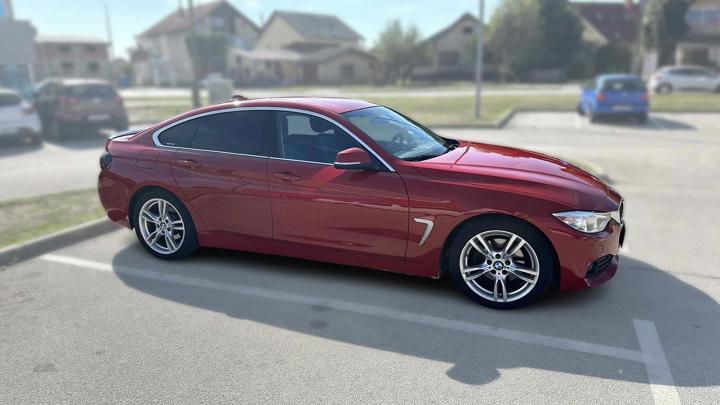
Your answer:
<point x="354" y="183"/>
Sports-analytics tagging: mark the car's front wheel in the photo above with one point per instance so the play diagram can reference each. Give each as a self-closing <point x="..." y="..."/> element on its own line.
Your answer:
<point x="164" y="226"/>
<point x="501" y="263"/>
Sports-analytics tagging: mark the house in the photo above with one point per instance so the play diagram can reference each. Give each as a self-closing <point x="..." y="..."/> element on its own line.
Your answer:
<point x="162" y="57"/>
<point x="607" y="23"/>
<point x="304" y="48"/>
<point x="451" y="53"/>
<point x="71" y="56"/>
<point x="18" y="55"/>
<point x="701" y="45"/>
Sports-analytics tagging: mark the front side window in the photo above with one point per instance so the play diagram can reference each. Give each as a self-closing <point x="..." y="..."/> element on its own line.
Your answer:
<point x="235" y="132"/>
<point x="309" y="138"/>
<point x="398" y="135"/>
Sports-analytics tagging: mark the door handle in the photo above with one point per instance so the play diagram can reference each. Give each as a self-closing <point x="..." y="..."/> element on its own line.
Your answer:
<point x="189" y="163"/>
<point x="287" y="177"/>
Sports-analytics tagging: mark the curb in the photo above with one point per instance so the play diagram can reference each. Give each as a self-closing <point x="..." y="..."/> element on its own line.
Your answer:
<point x="17" y="253"/>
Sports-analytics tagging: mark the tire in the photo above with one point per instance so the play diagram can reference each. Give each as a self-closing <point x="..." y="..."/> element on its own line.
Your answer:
<point x="580" y="110"/>
<point x="534" y="261"/>
<point x="594" y="118"/>
<point x="664" y="88"/>
<point x="642" y="118"/>
<point x="151" y="235"/>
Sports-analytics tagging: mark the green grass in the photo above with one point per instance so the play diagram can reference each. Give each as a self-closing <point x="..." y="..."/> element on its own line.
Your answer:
<point x="28" y="218"/>
<point x="452" y="111"/>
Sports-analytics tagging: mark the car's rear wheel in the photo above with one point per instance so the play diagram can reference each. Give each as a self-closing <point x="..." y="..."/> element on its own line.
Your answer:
<point x="580" y="109"/>
<point x="501" y="263"/>
<point x="56" y="130"/>
<point x="642" y="118"/>
<point x="164" y="226"/>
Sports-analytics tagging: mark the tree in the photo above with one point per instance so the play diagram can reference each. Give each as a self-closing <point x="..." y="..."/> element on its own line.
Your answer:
<point x="561" y="33"/>
<point x="515" y="37"/>
<point x="400" y="50"/>
<point x="663" y="25"/>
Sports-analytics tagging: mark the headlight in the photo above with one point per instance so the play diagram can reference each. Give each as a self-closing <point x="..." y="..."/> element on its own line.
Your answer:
<point x="585" y="221"/>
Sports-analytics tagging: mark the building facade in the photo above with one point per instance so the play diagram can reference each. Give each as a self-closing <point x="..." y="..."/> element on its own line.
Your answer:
<point x="451" y="53"/>
<point x="162" y="57"/>
<point x="65" y="56"/>
<point x="17" y="56"/>
<point x="305" y="48"/>
<point x="701" y="45"/>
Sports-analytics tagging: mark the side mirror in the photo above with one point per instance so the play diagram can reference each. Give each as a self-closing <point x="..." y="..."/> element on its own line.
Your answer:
<point x="353" y="159"/>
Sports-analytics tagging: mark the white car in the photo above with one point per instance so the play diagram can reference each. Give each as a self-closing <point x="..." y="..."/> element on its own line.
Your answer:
<point x="18" y="119"/>
<point x="685" y="78"/>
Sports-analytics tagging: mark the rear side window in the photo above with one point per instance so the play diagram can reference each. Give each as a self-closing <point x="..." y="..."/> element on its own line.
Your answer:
<point x="623" y="85"/>
<point x="180" y="135"/>
<point x="9" y="100"/>
<point x="89" y="91"/>
<point x="236" y="132"/>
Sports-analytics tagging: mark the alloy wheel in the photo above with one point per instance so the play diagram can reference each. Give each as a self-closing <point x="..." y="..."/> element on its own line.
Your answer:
<point x="499" y="266"/>
<point x="161" y="226"/>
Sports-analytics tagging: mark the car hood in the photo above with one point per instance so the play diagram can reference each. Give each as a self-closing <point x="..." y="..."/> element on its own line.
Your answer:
<point x="518" y="171"/>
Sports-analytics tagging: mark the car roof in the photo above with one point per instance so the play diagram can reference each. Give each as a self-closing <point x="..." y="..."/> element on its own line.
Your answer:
<point x="8" y="91"/>
<point x="619" y="77"/>
<point x="78" y="82"/>
<point x="331" y="104"/>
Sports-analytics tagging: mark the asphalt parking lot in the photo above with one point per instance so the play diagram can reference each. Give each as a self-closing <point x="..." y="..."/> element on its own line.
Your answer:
<point x="103" y="321"/>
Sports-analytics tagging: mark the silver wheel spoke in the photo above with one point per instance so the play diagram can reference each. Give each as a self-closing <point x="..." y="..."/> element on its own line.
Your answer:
<point x="504" y="289"/>
<point x="517" y="268"/>
<point x="171" y="242"/>
<point x="509" y="250"/>
<point x="485" y="250"/>
<point x="481" y="271"/>
<point x="153" y="237"/>
<point x="162" y="208"/>
<point x="148" y="216"/>
<point x="523" y="278"/>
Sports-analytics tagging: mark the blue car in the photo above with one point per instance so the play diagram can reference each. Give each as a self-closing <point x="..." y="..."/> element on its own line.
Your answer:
<point x="615" y="95"/>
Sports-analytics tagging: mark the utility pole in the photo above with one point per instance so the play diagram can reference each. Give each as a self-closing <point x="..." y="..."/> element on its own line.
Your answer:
<point x="479" y="61"/>
<point x="193" y="51"/>
<point x="111" y="46"/>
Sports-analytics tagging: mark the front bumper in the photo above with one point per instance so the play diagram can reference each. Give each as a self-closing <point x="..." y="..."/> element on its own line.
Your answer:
<point x="579" y="253"/>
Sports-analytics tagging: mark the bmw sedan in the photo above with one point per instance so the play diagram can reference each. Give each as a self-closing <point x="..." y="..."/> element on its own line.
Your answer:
<point x="354" y="183"/>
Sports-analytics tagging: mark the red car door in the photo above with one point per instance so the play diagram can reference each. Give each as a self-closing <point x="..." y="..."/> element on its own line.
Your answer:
<point x="223" y="172"/>
<point x="315" y="204"/>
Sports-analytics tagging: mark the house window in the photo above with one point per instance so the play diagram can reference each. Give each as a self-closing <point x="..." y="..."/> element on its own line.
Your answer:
<point x="347" y="71"/>
<point x="64" y="48"/>
<point x="467" y="30"/>
<point x="67" y="67"/>
<point x="93" y="67"/>
<point x="448" y="58"/>
<point x="90" y="48"/>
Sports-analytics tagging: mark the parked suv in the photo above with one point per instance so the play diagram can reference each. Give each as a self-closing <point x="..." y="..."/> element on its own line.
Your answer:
<point x="79" y="104"/>
<point x="17" y="118"/>
<point x="692" y="78"/>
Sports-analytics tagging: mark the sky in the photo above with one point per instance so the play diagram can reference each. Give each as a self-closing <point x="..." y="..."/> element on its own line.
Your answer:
<point x="131" y="17"/>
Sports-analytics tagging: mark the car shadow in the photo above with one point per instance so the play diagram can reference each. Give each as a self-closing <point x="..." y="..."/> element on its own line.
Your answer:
<point x="655" y="122"/>
<point x="686" y="318"/>
<point x="17" y="146"/>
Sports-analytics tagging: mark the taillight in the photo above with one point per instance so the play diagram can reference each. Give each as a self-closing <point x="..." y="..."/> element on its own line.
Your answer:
<point x="600" y="96"/>
<point x="105" y="160"/>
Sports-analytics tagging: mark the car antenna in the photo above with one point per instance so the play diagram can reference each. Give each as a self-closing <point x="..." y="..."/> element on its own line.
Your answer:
<point x="238" y="97"/>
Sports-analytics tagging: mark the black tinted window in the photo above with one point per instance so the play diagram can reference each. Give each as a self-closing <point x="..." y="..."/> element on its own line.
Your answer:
<point x="236" y="132"/>
<point x="623" y="85"/>
<point x="310" y="138"/>
<point x="180" y="135"/>
<point x="90" y="91"/>
<point x="9" y="99"/>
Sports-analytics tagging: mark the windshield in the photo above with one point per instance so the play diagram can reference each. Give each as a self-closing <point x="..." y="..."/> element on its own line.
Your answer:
<point x="399" y="135"/>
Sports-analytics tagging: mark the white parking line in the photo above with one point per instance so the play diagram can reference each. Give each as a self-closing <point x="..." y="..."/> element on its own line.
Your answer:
<point x="651" y="354"/>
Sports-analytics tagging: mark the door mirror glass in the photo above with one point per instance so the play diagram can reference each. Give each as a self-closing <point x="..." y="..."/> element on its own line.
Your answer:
<point x="353" y="159"/>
